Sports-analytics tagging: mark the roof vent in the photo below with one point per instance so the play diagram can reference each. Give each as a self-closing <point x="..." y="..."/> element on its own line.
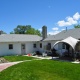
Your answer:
<point x="66" y="28"/>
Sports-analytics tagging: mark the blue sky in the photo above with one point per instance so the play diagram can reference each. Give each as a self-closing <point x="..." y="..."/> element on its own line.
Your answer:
<point x="55" y="14"/>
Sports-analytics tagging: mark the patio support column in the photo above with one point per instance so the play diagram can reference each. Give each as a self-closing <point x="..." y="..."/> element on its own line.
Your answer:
<point x="74" y="55"/>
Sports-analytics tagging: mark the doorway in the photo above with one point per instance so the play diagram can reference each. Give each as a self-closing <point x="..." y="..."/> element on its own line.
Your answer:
<point x="23" y="51"/>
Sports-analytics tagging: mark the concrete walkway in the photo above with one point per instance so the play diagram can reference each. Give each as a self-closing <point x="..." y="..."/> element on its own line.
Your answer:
<point x="6" y="65"/>
<point x="42" y="57"/>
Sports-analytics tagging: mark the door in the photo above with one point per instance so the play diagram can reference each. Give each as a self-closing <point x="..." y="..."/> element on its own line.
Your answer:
<point x="23" y="51"/>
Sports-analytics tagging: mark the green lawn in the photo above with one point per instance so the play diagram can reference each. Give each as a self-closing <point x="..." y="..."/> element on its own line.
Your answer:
<point x="17" y="58"/>
<point x="42" y="70"/>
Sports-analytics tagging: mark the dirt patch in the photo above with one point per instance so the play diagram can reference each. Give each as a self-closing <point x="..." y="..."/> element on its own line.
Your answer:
<point x="2" y="60"/>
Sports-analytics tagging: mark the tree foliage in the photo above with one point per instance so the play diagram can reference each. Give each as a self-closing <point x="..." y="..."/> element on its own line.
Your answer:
<point x="77" y="26"/>
<point x="2" y="32"/>
<point x="22" y="29"/>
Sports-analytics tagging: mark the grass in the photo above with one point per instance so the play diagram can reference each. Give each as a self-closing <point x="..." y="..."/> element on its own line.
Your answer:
<point x="17" y="58"/>
<point x="42" y="70"/>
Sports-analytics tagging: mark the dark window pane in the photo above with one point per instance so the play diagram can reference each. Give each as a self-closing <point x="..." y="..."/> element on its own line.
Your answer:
<point x="40" y="45"/>
<point x="10" y="46"/>
<point x="49" y="46"/>
<point x="34" y="45"/>
<point x="23" y="46"/>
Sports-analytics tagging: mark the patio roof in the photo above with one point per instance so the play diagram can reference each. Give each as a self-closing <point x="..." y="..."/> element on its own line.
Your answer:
<point x="70" y="40"/>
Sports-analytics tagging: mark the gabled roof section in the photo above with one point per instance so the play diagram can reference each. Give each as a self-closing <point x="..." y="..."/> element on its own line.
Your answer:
<point x="75" y="33"/>
<point x="19" y="38"/>
<point x="49" y="38"/>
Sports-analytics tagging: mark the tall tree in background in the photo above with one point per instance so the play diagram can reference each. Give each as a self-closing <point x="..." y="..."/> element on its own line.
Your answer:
<point x="21" y="29"/>
<point x="77" y="26"/>
<point x="33" y="31"/>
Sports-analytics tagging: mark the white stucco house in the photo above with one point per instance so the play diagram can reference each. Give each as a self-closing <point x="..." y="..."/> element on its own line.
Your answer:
<point x="17" y="44"/>
<point x="11" y="44"/>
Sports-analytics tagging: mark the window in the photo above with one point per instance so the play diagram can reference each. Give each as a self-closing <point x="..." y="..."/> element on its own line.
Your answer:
<point x="63" y="46"/>
<point x="10" y="46"/>
<point x="48" y="46"/>
<point x="34" y="45"/>
<point x="23" y="46"/>
<point x="40" y="45"/>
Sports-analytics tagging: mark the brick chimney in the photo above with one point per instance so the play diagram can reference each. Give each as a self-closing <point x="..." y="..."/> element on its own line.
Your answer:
<point x="44" y="32"/>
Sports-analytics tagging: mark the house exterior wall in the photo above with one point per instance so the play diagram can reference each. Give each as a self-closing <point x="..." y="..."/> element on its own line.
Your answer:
<point x="44" y="44"/>
<point x="4" y="48"/>
<point x="58" y="47"/>
<point x="30" y="48"/>
<point x="38" y="46"/>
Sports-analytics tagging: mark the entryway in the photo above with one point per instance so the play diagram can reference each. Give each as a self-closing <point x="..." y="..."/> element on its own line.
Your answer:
<point x="23" y="50"/>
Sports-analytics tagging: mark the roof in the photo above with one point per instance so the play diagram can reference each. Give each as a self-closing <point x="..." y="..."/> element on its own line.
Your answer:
<point x="75" y="33"/>
<point x="70" y="40"/>
<point x="19" y="38"/>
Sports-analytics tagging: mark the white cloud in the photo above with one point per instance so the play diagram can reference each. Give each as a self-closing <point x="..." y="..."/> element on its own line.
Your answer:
<point x="53" y="33"/>
<point x="63" y="23"/>
<point x="55" y="28"/>
<point x="76" y="16"/>
<point x="69" y="20"/>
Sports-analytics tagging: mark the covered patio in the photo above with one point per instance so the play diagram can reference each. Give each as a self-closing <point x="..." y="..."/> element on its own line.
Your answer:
<point x="69" y="47"/>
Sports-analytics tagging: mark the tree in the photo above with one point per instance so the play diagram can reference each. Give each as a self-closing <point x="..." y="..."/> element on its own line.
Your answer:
<point x="77" y="26"/>
<point x="22" y="29"/>
<point x="33" y="31"/>
<point x="2" y="32"/>
<point x="11" y="32"/>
